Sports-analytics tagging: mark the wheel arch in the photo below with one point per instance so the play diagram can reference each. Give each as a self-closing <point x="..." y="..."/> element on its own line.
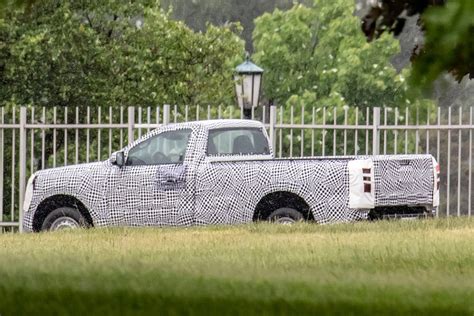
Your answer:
<point x="279" y="199"/>
<point x="55" y="201"/>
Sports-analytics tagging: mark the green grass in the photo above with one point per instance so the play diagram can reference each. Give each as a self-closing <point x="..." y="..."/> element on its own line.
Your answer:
<point x="422" y="267"/>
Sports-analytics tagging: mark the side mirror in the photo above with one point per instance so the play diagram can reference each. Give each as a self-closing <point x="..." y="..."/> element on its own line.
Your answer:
<point x="120" y="159"/>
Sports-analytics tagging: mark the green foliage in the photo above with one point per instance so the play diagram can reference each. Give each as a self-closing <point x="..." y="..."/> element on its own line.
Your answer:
<point x="448" y="28"/>
<point x="317" y="56"/>
<point x="449" y="42"/>
<point x="112" y="53"/>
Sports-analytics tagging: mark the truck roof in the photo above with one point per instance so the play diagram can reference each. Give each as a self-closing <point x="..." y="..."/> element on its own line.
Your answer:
<point x="222" y="123"/>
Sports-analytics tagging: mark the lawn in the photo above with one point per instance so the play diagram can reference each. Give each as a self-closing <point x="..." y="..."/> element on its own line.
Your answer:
<point x="398" y="267"/>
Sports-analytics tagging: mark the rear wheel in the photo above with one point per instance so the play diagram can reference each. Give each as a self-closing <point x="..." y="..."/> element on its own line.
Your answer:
<point x="64" y="218"/>
<point x="285" y="216"/>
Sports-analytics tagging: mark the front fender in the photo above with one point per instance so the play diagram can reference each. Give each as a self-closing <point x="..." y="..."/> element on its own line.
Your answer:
<point x="84" y="182"/>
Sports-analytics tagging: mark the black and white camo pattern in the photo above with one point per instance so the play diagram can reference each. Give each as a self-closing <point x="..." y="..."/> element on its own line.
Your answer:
<point x="226" y="191"/>
<point x="403" y="181"/>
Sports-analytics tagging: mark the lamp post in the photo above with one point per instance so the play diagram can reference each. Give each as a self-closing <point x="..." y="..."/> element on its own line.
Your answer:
<point x="248" y="80"/>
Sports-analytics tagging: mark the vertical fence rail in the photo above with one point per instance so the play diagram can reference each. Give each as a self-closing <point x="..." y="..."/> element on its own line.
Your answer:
<point x="459" y="163"/>
<point x="470" y="164"/>
<point x="273" y="119"/>
<point x="22" y="165"/>
<point x="166" y="114"/>
<point x="2" y="148"/>
<point x="376" y="131"/>
<point x="131" y="124"/>
<point x="13" y="175"/>
<point x="319" y="131"/>
<point x="448" y="155"/>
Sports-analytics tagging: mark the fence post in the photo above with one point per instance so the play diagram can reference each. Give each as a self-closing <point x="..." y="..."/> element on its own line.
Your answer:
<point x="166" y="114"/>
<point x="131" y="124"/>
<point x="1" y="166"/>
<point x="22" y="165"/>
<point x="273" y="119"/>
<point x="376" y="131"/>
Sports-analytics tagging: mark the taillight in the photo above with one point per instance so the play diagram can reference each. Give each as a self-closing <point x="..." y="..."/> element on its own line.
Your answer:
<point x="367" y="180"/>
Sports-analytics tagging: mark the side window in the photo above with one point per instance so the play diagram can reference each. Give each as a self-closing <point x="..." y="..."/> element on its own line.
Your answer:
<point x="164" y="148"/>
<point x="237" y="141"/>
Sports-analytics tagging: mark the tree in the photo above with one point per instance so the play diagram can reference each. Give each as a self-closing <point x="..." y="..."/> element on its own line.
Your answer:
<point x="112" y="53"/>
<point x="318" y="56"/>
<point x="448" y="27"/>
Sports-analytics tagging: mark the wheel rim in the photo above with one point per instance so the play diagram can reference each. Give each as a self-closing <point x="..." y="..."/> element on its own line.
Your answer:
<point x="64" y="222"/>
<point x="284" y="220"/>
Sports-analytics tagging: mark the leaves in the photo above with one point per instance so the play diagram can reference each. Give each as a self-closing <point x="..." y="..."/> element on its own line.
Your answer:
<point x="113" y="53"/>
<point x="448" y="27"/>
<point x="449" y="42"/>
<point x="317" y="56"/>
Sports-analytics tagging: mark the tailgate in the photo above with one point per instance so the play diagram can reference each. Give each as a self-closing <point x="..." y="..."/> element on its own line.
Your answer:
<point x="404" y="180"/>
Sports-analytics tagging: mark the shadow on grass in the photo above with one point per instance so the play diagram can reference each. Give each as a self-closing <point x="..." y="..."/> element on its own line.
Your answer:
<point x="74" y="302"/>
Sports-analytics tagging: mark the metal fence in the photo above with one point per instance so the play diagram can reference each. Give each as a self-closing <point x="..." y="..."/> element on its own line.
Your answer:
<point x="38" y="138"/>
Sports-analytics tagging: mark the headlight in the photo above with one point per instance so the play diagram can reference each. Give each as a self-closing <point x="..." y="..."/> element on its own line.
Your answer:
<point x="29" y="193"/>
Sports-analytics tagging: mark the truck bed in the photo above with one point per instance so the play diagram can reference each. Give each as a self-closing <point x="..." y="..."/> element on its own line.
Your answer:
<point x="324" y="182"/>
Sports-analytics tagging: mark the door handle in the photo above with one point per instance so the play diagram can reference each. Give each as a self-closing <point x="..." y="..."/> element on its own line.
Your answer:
<point x="169" y="181"/>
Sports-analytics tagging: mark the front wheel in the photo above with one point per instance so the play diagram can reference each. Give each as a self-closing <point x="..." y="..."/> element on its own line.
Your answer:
<point x="64" y="218"/>
<point x="285" y="216"/>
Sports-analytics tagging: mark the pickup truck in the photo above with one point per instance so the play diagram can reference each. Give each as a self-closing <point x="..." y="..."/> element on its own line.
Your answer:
<point x="224" y="172"/>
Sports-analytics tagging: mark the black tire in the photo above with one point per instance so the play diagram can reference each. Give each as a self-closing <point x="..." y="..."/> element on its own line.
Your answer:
<point x="64" y="217"/>
<point x="286" y="216"/>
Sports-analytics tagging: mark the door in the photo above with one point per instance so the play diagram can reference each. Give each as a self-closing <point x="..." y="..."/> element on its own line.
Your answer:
<point x="229" y="190"/>
<point x="153" y="180"/>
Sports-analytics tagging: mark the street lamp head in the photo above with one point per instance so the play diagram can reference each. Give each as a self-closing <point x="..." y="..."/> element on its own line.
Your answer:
<point x="248" y="80"/>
